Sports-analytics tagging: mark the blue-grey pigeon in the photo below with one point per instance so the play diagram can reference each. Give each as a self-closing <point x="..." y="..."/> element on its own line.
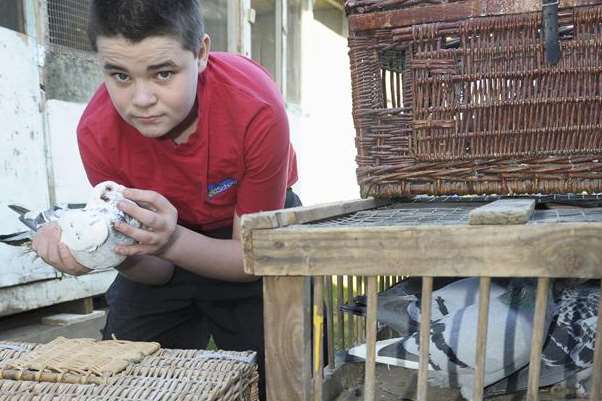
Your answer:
<point x="453" y="340"/>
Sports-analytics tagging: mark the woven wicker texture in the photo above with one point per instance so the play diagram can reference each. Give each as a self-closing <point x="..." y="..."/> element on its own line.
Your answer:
<point x="165" y="375"/>
<point x="472" y="107"/>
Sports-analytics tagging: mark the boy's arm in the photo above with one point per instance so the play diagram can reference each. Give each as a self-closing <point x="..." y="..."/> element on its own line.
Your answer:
<point x="160" y="236"/>
<point x="147" y="269"/>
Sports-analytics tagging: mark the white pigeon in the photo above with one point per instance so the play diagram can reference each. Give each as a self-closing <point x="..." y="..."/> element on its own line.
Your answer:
<point x="88" y="232"/>
<point x="452" y="348"/>
<point x="567" y="355"/>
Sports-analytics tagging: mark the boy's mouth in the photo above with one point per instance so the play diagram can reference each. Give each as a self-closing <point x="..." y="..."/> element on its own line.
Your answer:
<point x="147" y="119"/>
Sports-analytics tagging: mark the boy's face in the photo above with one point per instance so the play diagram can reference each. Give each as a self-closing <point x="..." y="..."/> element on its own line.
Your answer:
<point x="152" y="83"/>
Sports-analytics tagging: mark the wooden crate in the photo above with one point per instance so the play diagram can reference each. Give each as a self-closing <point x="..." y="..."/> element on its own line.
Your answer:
<point x="374" y="238"/>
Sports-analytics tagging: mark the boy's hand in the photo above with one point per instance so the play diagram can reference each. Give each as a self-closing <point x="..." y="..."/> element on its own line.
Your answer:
<point x="47" y="244"/>
<point x="159" y="219"/>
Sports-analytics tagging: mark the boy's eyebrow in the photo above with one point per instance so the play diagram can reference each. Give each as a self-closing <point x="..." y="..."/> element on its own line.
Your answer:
<point x="109" y="66"/>
<point x="168" y="63"/>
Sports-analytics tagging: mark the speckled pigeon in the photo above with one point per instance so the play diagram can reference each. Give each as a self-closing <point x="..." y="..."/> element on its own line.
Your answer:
<point x="88" y="232"/>
<point x="567" y="355"/>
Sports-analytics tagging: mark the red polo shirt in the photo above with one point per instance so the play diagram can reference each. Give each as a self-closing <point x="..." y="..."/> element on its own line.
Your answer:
<point x="240" y="158"/>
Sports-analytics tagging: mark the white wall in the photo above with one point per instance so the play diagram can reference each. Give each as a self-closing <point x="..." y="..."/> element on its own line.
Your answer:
<point x="70" y="181"/>
<point x="22" y="160"/>
<point x="323" y="133"/>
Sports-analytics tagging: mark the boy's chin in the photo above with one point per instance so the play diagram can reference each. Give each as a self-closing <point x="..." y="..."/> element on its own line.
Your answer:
<point x="152" y="132"/>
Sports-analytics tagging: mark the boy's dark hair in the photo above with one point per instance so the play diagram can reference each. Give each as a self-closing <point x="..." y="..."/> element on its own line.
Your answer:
<point x="137" y="20"/>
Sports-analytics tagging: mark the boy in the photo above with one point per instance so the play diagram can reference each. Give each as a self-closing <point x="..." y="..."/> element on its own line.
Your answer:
<point x="205" y="138"/>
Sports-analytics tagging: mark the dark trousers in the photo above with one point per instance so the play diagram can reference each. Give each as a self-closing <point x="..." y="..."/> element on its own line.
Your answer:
<point x="189" y="309"/>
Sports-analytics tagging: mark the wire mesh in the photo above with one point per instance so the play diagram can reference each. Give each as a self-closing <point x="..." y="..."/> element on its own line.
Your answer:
<point x="413" y="214"/>
<point x="67" y="24"/>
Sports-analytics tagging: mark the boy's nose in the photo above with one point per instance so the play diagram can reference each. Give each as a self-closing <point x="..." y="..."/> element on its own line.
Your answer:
<point x="143" y="96"/>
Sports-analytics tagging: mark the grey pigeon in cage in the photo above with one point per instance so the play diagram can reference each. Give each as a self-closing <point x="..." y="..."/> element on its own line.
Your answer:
<point x="398" y="307"/>
<point x="568" y="351"/>
<point x="453" y="340"/>
<point x="88" y="232"/>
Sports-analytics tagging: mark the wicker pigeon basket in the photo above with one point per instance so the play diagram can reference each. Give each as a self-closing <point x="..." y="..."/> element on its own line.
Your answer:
<point x="86" y="370"/>
<point x="466" y="96"/>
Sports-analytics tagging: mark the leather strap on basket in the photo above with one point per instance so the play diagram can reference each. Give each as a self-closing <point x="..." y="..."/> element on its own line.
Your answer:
<point x="550" y="31"/>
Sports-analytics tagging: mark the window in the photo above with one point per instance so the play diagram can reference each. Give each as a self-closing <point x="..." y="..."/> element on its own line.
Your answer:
<point x="215" y="13"/>
<point x="11" y="15"/>
<point x="263" y="34"/>
<point x="293" y="52"/>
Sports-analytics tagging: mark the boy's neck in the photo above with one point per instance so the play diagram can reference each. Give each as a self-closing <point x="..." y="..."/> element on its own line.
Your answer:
<point x="181" y="132"/>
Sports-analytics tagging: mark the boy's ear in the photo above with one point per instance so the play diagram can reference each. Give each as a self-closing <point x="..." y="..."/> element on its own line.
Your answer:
<point x="203" y="55"/>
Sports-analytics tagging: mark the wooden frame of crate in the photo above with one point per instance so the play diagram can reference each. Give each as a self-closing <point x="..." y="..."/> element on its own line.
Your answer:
<point x="286" y="251"/>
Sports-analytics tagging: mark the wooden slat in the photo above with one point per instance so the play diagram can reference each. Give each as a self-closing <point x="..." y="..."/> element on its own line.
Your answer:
<point x="350" y="317"/>
<point x="543" y="287"/>
<point x="298" y="215"/>
<point x="503" y="211"/>
<point x="479" y="377"/>
<point x="414" y="15"/>
<point x="330" y="320"/>
<point x="318" y="346"/>
<point x="448" y="12"/>
<point x="531" y="250"/>
<point x="356" y="328"/>
<point x="363" y="321"/>
<point x="425" y="331"/>
<point x="305" y="214"/>
<point x="370" y="371"/>
<point x="340" y="314"/>
<point x="287" y="348"/>
<point x="597" y="365"/>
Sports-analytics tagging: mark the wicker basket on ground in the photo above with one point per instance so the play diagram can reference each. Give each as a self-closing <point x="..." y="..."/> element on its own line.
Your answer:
<point x="89" y="370"/>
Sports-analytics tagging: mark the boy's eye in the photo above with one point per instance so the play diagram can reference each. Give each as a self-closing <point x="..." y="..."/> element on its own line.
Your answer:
<point x="165" y="75"/>
<point x="121" y="77"/>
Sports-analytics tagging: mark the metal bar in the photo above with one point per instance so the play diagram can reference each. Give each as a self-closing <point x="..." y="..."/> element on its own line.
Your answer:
<point x="543" y="286"/>
<point x="597" y="365"/>
<point x="425" y="328"/>
<point x="370" y="372"/>
<point x="330" y="321"/>
<point x="340" y="314"/>
<point x="479" y="377"/>
<point x="318" y="323"/>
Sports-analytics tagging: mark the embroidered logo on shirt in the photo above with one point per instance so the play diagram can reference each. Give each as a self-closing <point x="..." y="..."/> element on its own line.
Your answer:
<point x="222" y="186"/>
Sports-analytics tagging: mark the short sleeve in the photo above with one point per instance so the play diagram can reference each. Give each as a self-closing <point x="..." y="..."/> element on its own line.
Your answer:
<point x="266" y="160"/>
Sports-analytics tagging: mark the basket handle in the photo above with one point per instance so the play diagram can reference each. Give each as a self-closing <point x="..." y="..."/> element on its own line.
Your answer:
<point x="550" y="31"/>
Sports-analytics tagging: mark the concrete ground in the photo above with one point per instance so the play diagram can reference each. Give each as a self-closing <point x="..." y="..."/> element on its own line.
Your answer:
<point x="45" y="324"/>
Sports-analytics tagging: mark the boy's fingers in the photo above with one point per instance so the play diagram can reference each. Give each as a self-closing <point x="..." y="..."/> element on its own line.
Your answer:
<point x="71" y="266"/>
<point x="140" y="235"/>
<point x="144" y="216"/>
<point x="150" y="199"/>
<point x="131" y="250"/>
